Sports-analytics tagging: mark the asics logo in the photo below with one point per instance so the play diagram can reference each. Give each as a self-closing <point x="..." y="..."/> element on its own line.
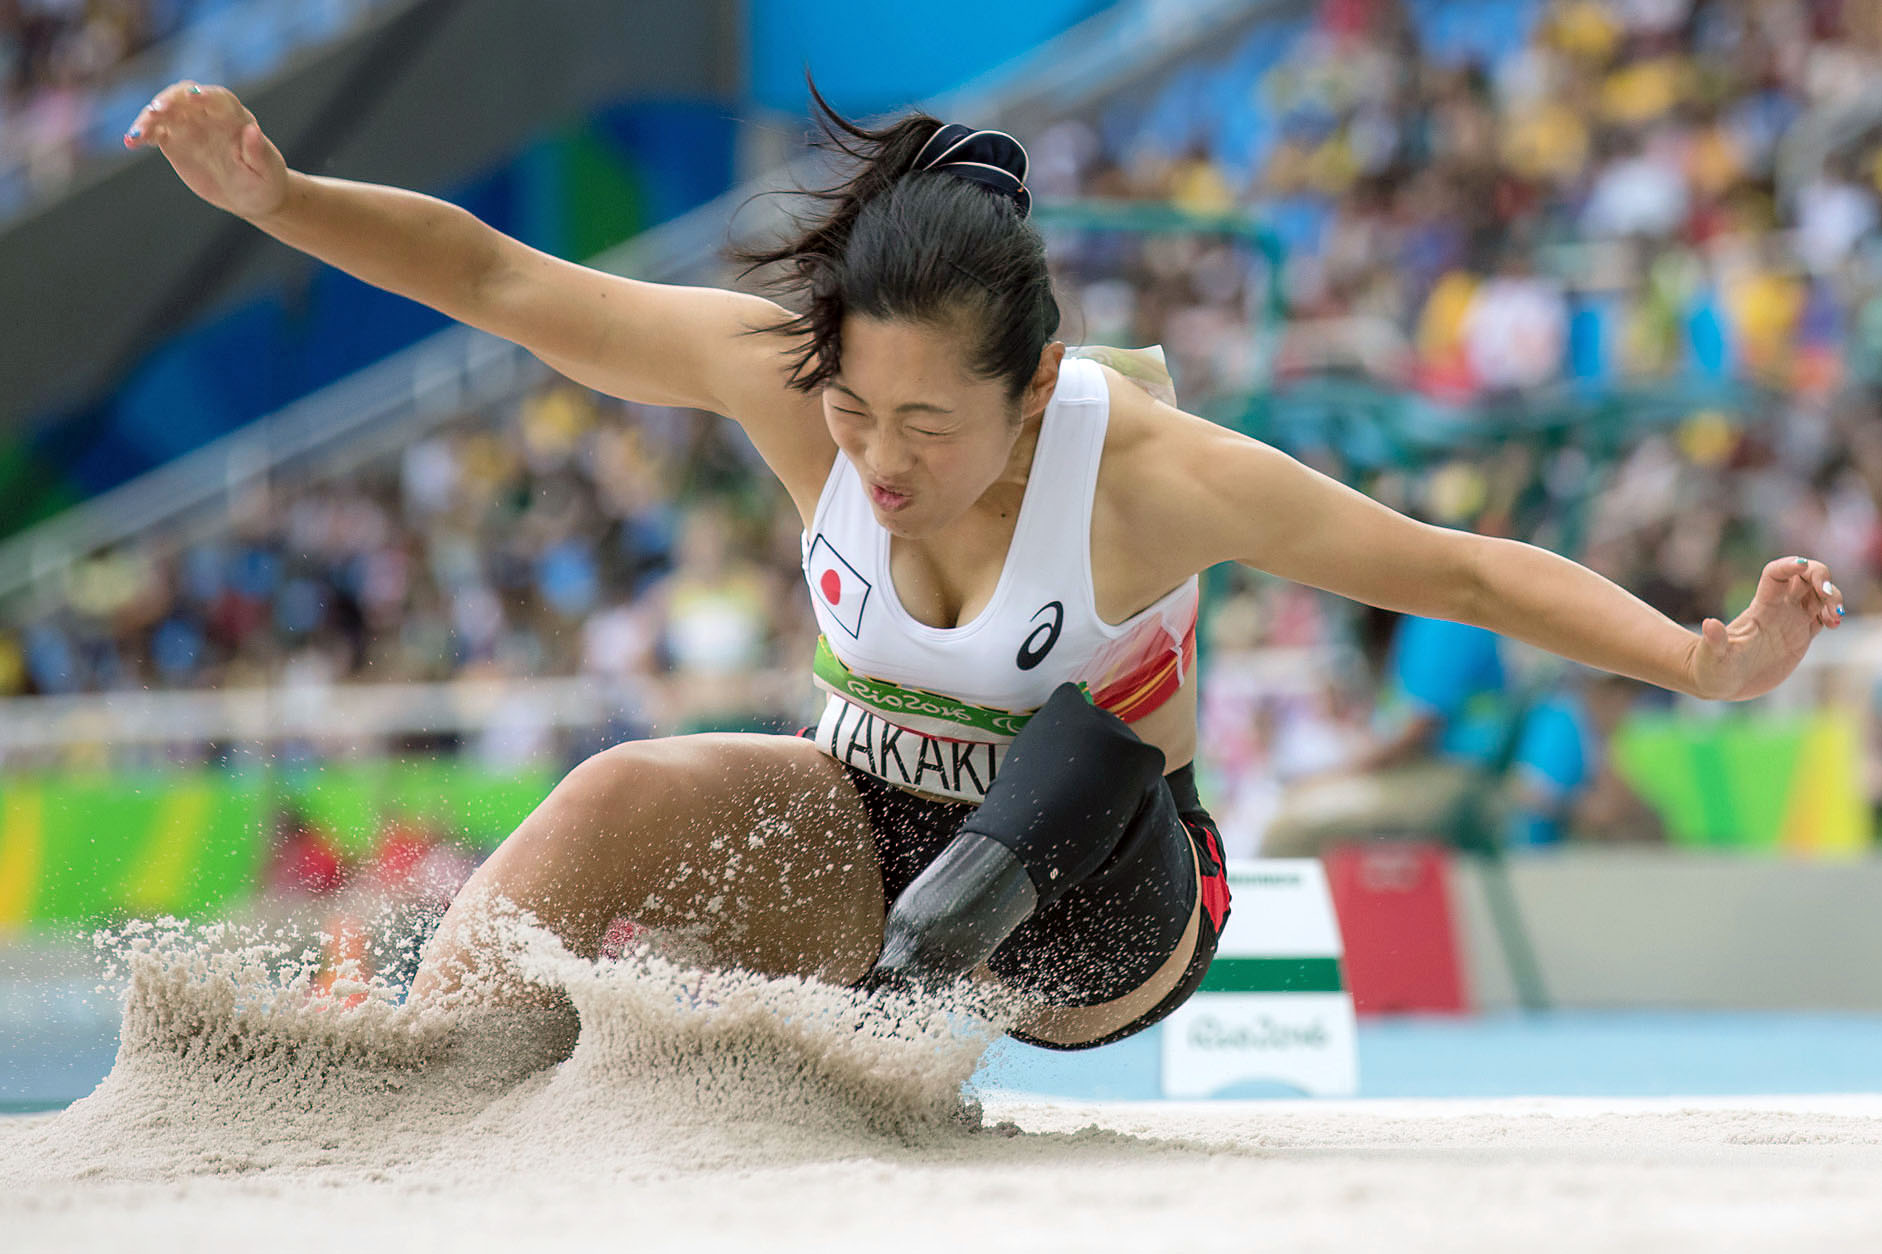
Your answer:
<point x="1034" y="648"/>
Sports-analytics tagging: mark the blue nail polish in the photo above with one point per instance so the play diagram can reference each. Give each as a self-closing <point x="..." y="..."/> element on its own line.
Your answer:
<point x="137" y="133"/>
<point x="1803" y="561"/>
<point x="1840" y="611"/>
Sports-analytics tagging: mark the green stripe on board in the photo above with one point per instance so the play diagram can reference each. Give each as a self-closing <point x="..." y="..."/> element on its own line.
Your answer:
<point x="1228" y="974"/>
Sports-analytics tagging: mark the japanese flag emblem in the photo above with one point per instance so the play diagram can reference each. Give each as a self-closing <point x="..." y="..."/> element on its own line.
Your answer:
<point x="836" y="585"/>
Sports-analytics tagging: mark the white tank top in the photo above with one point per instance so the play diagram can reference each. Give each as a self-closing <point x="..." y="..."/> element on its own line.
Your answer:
<point x="932" y="709"/>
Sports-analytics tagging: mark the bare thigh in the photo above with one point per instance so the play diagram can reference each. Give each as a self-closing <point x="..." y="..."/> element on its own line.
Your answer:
<point x="755" y="846"/>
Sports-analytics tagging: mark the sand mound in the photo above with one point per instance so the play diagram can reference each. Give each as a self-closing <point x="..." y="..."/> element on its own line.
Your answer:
<point x="230" y="1062"/>
<point x="723" y="1112"/>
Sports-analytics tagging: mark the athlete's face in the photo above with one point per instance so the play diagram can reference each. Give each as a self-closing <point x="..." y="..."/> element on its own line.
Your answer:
<point x="927" y="437"/>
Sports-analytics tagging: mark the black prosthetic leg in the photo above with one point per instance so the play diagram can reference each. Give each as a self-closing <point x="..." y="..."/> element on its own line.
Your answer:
<point x="1073" y="780"/>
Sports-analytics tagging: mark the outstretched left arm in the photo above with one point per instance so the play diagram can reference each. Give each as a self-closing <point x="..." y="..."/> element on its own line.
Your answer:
<point x="1212" y="495"/>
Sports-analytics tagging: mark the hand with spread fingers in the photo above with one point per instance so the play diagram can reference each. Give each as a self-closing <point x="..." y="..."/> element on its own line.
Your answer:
<point x="216" y="147"/>
<point x="1754" y="653"/>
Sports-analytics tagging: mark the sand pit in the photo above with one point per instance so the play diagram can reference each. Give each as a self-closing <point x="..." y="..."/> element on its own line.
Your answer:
<point x="705" y="1112"/>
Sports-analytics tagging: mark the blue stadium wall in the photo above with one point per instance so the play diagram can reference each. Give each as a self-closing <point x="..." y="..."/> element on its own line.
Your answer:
<point x="871" y="57"/>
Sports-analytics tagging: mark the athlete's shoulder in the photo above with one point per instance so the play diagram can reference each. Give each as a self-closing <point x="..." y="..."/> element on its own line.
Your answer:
<point x="1145" y="428"/>
<point x="1143" y="503"/>
<point x="1166" y="480"/>
<point x="1144" y="368"/>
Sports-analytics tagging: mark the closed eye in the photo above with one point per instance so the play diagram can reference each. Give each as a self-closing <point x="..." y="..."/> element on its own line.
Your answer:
<point x="912" y="430"/>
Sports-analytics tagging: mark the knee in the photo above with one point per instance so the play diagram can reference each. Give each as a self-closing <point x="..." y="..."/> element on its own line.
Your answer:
<point x="646" y="784"/>
<point x="608" y="790"/>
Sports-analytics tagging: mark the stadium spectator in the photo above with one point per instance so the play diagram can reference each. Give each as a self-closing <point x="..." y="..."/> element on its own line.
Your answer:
<point x="718" y="609"/>
<point x="1439" y="729"/>
<point x="1564" y="781"/>
<point x="303" y="860"/>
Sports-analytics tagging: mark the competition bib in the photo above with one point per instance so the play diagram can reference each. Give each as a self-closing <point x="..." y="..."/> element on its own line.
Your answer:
<point x="955" y="770"/>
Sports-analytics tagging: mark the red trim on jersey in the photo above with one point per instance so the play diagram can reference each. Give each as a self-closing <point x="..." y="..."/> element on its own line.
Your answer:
<point x="1141" y="692"/>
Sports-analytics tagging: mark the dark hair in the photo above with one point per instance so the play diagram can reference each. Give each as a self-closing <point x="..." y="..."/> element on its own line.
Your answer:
<point x="924" y="246"/>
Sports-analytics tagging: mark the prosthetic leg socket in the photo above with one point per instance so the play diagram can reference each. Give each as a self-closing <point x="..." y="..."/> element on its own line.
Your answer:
<point x="1071" y="784"/>
<point x="953" y="916"/>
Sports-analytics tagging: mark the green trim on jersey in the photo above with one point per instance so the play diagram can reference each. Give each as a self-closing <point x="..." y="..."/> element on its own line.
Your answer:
<point x="892" y="700"/>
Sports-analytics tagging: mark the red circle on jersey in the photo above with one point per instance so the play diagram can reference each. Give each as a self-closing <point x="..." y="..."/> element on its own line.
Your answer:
<point x="832" y="585"/>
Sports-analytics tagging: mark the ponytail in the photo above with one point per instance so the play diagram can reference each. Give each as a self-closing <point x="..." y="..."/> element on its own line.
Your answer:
<point x="922" y="231"/>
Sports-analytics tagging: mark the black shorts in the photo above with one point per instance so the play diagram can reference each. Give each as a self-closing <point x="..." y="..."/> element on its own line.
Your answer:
<point x="910" y="831"/>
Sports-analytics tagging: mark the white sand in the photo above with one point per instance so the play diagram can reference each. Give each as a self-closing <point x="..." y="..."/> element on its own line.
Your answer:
<point x="708" y="1113"/>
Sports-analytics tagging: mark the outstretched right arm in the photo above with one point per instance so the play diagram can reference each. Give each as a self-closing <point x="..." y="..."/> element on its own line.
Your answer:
<point x="648" y="342"/>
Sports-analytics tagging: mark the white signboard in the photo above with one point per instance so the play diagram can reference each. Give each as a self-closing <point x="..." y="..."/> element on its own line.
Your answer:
<point x="1274" y="1007"/>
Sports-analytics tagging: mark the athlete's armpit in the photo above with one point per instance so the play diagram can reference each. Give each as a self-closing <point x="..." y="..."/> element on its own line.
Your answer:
<point x="663" y="344"/>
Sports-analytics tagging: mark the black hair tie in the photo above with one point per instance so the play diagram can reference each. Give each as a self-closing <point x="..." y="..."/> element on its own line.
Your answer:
<point x="991" y="158"/>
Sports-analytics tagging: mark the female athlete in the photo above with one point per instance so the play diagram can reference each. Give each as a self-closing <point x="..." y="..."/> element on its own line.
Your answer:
<point x="1002" y="543"/>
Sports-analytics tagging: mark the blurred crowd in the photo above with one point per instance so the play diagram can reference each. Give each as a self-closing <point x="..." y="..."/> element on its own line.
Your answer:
<point x="1479" y="197"/>
<point x="68" y="86"/>
<point x="571" y="535"/>
<point x="1484" y="208"/>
